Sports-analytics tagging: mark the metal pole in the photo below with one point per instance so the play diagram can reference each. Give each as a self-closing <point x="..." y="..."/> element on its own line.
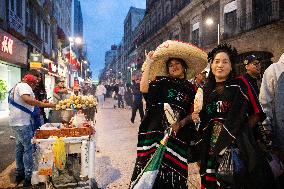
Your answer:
<point x="218" y="34"/>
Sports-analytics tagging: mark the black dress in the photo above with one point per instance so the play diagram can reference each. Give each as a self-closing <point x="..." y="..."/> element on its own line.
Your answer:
<point x="179" y="93"/>
<point x="224" y="123"/>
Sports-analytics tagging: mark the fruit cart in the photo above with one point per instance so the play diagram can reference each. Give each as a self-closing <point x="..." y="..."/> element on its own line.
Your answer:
<point x="65" y="109"/>
<point x="62" y="146"/>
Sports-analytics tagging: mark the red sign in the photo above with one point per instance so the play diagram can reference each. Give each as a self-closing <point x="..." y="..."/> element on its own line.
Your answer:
<point x="12" y="50"/>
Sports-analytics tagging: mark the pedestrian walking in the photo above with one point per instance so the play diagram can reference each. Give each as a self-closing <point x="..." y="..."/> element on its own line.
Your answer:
<point x="230" y="157"/>
<point x="22" y="104"/>
<point x="120" y="95"/>
<point x="137" y="100"/>
<point x="168" y="69"/>
<point x="128" y="96"/>
<point x="100" y="93"/>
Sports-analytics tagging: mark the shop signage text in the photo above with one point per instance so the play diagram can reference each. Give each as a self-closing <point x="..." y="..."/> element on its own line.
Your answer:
<point x="7" y="45"/>
<point x="12" y="50"/>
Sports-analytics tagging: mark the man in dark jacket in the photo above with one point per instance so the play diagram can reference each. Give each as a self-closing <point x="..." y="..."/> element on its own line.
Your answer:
<point x="253" y="67"/>
<point x="137" y="100"/>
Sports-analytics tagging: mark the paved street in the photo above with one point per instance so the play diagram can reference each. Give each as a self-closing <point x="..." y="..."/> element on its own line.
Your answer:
<point x="116" y="140"/>
<point x="7" y="145"/>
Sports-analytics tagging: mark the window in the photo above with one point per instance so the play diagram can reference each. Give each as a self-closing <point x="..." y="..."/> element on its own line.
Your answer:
<point x="19" y="8"/>
<point x="195" y="37"/>
<point x="28" y="16"/>
<point x="230" y="19"/>
<point x="12" y="5"/>
<point x="39" y="27"/>
<point x="46" y="32"/>
<point x="32" y="19"/>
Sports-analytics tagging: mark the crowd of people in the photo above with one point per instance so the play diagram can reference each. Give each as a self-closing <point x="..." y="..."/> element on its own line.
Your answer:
<point x="237" y="135"/>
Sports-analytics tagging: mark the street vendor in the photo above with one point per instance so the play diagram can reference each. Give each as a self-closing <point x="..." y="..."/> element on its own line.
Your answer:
<point x="76" y="90"/>
<point x="59" y="91"/>
<point x="22" y="104"/>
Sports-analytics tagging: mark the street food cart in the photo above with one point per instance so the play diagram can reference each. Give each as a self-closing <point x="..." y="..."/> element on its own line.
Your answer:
<point x="57" y="143"/>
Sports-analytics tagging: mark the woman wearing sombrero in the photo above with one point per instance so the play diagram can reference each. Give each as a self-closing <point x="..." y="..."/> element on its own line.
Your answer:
<point x="165" y="79"/>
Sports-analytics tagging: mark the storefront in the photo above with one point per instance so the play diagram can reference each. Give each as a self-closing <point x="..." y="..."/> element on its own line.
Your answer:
<point x="13" y="57"/>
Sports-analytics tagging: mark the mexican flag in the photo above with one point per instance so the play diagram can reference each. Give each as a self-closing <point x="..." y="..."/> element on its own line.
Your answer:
<point x="147" y="177"/>
<point x="70" y="55"/>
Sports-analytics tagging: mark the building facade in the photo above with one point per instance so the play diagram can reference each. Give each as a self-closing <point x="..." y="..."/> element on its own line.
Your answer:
<point x="29" y="28"/>
<point x="246" y="24"/>
<point x="132" y="20"/>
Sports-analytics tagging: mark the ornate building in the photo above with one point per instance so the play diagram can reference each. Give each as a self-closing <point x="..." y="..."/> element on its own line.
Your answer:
<point x="252" y="26"/>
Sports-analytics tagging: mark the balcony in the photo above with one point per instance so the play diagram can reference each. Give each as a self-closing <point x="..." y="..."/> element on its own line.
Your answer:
<point x="15" y="22"/>
<point x="161" y="23"/>
<point x="252" y="20"/>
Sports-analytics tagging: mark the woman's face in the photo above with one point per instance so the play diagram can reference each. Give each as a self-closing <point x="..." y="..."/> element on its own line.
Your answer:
<point x="221" y="66"/>
<point x="175" y="69"/>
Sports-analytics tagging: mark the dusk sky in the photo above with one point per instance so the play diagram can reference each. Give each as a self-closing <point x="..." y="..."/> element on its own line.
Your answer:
<point x="103" y="26"/>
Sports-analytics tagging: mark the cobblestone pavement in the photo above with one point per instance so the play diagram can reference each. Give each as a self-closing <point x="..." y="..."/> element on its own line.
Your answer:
<point x="116" y="139"/>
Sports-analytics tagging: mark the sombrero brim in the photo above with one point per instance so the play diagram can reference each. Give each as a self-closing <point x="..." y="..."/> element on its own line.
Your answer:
<point x="195" y="58"/>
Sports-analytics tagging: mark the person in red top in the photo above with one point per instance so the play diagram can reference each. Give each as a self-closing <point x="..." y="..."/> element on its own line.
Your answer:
<point x="59" y="91"/>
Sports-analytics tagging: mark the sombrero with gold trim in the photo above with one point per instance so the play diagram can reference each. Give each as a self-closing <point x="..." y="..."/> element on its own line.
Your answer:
<point x="195" y="58"/>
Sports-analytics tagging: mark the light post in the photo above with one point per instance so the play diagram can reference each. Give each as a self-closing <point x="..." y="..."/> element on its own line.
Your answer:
<point x="209" y="22"/>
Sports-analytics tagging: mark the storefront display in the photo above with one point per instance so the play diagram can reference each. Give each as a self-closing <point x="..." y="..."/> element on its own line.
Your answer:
<point x="9" y="75"/>
<point x="13" y="57"/>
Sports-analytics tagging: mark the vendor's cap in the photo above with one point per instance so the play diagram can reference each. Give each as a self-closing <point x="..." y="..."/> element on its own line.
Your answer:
<point x="195" y="58"/>
<point x="249" y="59"/>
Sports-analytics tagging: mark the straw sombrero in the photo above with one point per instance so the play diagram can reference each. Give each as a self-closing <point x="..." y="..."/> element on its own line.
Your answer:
<point x="195" y="58"/>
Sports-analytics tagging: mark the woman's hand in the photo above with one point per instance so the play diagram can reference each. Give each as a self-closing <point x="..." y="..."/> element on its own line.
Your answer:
<point x="195" y="117"/>
<point x="176" y="126"/>
<point x="144" y="83"/>
<point x="149" y="57"/>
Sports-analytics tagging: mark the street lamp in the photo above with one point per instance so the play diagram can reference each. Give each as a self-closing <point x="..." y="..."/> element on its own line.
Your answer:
<point x="209" y="22"/>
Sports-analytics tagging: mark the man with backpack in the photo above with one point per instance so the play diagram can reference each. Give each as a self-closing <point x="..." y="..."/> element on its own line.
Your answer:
<point x="22" y="105"/>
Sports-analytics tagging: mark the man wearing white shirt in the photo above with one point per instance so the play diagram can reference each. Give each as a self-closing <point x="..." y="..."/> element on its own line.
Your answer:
<point x="100" y="93"/>
<point x="20" y="121"/>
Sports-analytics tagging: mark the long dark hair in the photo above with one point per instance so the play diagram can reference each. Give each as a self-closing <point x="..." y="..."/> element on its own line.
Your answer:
<point x="233" y="56"/>
<point x="182" y="62"/>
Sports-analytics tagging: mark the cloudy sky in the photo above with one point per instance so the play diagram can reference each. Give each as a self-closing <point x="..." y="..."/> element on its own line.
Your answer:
<point x="103" y="26"/>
